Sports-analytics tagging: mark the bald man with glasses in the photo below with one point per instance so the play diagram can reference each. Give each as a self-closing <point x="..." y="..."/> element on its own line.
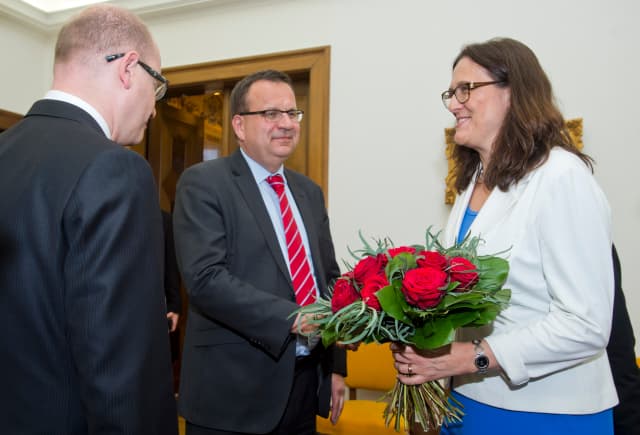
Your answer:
<point x="82" y="306"/>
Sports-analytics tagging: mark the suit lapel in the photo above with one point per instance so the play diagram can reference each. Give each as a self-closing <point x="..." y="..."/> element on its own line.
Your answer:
<point x="251" y="194"/>
<point x="492" y="213"/>
<point x="494" y="210"/>
<point x="306" y="209"/>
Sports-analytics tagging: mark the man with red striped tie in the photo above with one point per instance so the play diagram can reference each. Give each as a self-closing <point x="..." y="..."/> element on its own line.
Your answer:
<point x="253" y="244"/>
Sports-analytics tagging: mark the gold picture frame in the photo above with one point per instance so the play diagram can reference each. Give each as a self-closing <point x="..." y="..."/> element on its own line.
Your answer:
<point x="573" y="125"/>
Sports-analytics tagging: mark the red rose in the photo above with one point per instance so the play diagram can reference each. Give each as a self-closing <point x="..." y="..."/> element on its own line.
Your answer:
<point x="369" y="266"/>
<point x="395" y="251"/>
<point x="372" y="285"/>
<point x="463" y="271"/>
<point x="421" y="286"/>
<point x="344" y="293"/>
<point x="347" y="275"/>
<point x="432" y="259"/>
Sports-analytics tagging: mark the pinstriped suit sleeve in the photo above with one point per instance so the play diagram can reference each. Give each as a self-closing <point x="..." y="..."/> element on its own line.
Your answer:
<point x="114" y="300"/>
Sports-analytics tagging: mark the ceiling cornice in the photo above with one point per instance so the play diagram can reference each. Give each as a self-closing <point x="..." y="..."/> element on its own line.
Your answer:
<point x="51" y="21"/>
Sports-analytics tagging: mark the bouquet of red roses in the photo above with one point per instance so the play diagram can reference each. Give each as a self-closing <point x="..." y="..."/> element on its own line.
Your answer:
<point x="416" y="295"/>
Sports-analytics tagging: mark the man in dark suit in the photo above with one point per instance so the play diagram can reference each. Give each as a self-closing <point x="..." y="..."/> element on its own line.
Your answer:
<point x="245" y="367"/>
<point x="172" y="278"/>
<point x="172" y="284"/>
<point x="621" y="352"/>
<point x="84" y="329"/>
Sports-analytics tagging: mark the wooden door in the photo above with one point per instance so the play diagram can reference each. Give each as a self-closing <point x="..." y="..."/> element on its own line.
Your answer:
<point x="175" y="143"/>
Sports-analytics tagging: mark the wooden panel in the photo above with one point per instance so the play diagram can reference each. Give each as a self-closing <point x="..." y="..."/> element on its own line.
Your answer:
<point x="141" y="147"/>
<point x="7" y="119"/>
<point x="299" y="161"/>
<point x="175" y="144"/>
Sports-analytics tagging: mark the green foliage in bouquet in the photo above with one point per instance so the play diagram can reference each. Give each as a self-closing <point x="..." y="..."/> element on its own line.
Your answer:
<point x="426" y="327"/>
<point x="418" y="295"/>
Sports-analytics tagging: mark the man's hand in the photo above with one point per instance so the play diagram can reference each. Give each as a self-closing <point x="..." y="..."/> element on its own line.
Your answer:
<point x="173" y="318"/>
<point x="352" y="346"/>
<point x="304" y="324"/>
<point x="337" y="396"/>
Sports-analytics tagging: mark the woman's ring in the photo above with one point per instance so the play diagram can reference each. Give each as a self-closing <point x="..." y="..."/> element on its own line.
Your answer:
<point x="409" y="369"/>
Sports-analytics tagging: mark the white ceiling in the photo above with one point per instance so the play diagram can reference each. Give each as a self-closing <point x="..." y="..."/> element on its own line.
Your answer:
<point x="59" y="5"/>
<point x="48" y="15"/>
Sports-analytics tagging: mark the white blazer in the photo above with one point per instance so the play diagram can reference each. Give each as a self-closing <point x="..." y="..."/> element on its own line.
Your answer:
<point x="551" y="340"/>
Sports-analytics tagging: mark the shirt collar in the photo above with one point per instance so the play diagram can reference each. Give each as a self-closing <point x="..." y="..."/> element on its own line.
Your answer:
<point x="259" y="173"/>
<point x="79" y="102"/>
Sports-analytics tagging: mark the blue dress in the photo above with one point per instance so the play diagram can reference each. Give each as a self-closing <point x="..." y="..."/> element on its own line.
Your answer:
<point x="481" y="419"/>
<point x="467" y="220"/>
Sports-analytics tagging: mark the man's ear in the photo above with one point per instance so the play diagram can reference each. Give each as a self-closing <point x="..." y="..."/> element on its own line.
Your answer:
<point x="238" y="126"/>
<point x="126" y="68"/>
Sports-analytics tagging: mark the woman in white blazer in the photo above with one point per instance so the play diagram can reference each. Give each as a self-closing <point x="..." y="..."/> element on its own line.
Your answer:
<point x="524" y="188"/>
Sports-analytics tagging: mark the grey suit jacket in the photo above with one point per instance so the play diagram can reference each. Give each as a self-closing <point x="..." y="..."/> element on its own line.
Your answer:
<point x="239" y="354"/>
<point x="84" y="337"/>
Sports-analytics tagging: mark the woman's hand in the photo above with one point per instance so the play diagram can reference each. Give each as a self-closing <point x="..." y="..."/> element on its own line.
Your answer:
<point x="419" y="366"/>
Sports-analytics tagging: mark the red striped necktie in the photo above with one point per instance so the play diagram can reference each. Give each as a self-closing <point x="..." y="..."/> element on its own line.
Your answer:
<point x="303" y="284"/>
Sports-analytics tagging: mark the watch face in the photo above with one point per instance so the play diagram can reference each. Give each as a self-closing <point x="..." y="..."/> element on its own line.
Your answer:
<point x="482" y="362"/>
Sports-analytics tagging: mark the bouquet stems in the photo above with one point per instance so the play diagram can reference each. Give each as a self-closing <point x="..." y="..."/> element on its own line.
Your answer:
<point x="428" y="404"/>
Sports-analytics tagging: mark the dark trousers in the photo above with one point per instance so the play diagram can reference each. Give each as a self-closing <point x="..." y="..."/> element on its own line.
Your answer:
<point x="300" y="413"/>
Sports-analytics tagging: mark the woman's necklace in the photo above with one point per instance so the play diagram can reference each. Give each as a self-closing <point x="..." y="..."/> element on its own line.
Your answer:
<point x="480" y="176"/>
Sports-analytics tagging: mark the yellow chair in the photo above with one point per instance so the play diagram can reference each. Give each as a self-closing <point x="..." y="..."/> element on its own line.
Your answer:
<point x="370" y="368"/>
<point x="181" y="426"/>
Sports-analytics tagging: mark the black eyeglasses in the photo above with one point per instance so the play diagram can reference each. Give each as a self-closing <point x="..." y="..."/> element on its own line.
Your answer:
<point x="161" y="88"/>
<point x="275" y="115"/>
<point x="463" y="91"/>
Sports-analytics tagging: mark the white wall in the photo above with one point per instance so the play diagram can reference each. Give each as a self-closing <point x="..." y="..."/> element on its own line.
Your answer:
<point x="390" y="62"/>
<point x="25" y="68"/>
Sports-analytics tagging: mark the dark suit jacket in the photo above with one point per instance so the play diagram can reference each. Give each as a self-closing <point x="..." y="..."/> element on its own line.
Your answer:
<point x="172" y="278"/>
<point x="239" y="354"/>
<point x="621" y="351"/>
<point x="84" y="333"/>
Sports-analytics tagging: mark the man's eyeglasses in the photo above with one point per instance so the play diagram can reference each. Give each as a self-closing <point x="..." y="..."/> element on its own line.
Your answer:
<point x="463" y="91"/>
<point x="161" y="88"/>
<point x="275" y="115"/>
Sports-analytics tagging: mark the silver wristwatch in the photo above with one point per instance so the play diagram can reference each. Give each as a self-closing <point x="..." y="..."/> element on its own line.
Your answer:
<point x="481" y="361"/>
